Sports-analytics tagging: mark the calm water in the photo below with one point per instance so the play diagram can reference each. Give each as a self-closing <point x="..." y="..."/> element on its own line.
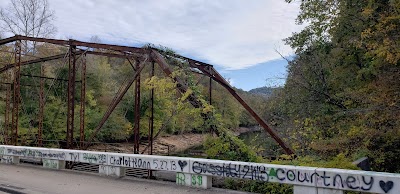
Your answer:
<point x="262" y="143"/>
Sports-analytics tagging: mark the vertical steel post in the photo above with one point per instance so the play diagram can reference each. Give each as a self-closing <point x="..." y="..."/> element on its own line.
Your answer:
<point x="41" y="107"/>
<point x="83" y="95"/>
<point x="210" y="91"/>
<point x="151" y="120"/>
<point x="16" y="96"/>
<point x="137" y="113"/>
<point x="7" y="113"/>
<point x="212" y="127"/>
<point x="152" y="112"/>
<point x="71" y="95"/>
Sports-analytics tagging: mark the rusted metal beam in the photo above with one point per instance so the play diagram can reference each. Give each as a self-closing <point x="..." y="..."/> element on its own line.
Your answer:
<point x="44" y="59"/>
<point x="194" y="62"/>
<point x="180" y="84"/>
<point x="44" y="77"/>
<point x="83" y="97"/>
<point x="46" y="40"/>
<point x="108" y="46"/>
<point x="55" y="57"/>
<point x="71" y="95"/>
<point x="29" y="85"/>
<point x="151" y="120"/>
<point x="95" y="45"/>
<point x="116" y="55"/>
<point x="136" y="128"/>
<point x="77" y="43"/>
<point x="7" y="115"/>
<point x="151" y="126"/>
<point x="115" y="102"/>
<point x="39" y="60"/>
<point x="130" y="63"/>
<point x="210" y="91"/>
<point x="41" y="106"/>
<point x="218" y="78"/>
<point x="16" y="96"/>
<point x="8" y="40"/>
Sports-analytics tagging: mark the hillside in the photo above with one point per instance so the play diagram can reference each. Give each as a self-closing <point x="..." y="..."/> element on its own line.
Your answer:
<point x="264" y="91"/>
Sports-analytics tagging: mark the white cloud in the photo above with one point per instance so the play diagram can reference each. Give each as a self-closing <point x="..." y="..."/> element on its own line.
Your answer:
<point x="234" y="34"/>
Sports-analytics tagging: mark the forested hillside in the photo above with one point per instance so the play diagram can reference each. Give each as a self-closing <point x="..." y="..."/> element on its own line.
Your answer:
<point x="263" y="91"/>
<point x="342" y="94"/>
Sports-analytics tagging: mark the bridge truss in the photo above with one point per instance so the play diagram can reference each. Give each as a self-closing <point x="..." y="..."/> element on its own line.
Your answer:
<point x="77" y="52"/>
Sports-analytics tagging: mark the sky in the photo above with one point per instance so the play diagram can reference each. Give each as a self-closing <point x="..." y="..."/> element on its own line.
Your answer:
<point x="240" y="38"/>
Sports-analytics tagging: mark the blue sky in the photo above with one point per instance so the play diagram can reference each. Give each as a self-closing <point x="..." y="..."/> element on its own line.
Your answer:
<point x="239" y="37"/>
<point x="271" y="73"/>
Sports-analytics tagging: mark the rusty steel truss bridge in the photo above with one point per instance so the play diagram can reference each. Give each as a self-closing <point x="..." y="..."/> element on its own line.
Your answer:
<point x="77" y="52"/>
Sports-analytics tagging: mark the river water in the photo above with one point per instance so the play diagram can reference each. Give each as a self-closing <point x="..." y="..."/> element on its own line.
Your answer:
<point x="261" y="143"/>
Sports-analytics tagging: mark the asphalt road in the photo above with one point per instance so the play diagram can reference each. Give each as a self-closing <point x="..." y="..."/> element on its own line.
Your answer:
<point x="22" y="179"/>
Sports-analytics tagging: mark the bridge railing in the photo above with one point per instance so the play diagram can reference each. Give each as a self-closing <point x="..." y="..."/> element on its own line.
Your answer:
<point x="198" y="172"/>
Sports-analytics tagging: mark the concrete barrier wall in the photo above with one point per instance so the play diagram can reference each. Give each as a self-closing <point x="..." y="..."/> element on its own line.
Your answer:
<point x="198" y="172"/>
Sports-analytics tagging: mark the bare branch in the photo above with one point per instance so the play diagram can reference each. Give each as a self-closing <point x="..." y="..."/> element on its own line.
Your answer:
<point x="29" y="18"/>
<point x="282" y="55"/>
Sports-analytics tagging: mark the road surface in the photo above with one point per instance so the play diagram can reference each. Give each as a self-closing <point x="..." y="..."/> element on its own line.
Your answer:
<point x="21" y="179"/>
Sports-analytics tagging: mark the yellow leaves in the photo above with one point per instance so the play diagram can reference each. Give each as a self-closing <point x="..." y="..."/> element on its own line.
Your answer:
<point x="353" y="131"/>
<point x="127" y="128"/>
<point x="186" y="95"/>
<point x="162" y="85"/>
<point x="173" y="106"/>
<point x="366" y="33"/>
<point x="90" y="98"/>
<point x="207" y="108"/>
<point x="348" y="103"/>
<point x="368" y="12"/>
<point x="381" y="35"/>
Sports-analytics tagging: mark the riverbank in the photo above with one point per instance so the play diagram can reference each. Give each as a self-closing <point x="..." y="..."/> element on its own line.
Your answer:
<point x="167" y="144"/>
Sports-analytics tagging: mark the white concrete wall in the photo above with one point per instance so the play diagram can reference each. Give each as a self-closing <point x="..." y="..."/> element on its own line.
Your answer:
<point x="111" y="170"/>
<point x="326" y="180"/>
<point x="53" y="164"/>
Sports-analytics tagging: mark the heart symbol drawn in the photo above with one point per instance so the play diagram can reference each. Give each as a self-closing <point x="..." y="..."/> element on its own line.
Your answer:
<point x="182" y="164"/>
<point x="386" y="186"/>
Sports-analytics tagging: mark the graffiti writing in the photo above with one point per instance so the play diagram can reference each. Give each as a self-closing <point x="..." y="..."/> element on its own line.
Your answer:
<point x="182" y="164"/>
<point x="180" y="179"/>
<point x="31" y="153"/>
<point x="74" y="157"/>
<point x="232" y="170"/>
<point x="197" y="180"/>
<point x="164" y="165"/>
<point x="7" y="159"/>
<point x="129" y="162"/>
<point x="51" y="164"/>
<point x="196" y="169"/>
<point x="360" y="182"/>
<point x="95" y="158"/>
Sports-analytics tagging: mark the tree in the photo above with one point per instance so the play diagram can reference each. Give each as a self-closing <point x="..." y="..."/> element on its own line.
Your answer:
<point x="29" y="18"/>
<point x="341" y="95"/>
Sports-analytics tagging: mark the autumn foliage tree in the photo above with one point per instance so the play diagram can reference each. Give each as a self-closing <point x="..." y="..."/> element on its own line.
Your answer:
<point x="342" y="92"/>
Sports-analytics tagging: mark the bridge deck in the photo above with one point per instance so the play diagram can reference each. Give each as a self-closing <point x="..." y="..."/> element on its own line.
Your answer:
<point x="20" y="179"/>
